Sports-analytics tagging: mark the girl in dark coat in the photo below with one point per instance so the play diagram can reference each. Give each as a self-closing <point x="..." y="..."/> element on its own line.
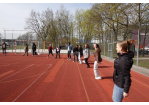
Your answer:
<point x="4" y="46"/>
<point x="34" y="49"/>
<point x="122" y="66"/>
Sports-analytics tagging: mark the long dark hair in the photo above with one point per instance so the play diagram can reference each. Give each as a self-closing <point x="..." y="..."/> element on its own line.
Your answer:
<point x="87" y="46"/>
<point x="97" y="46"/>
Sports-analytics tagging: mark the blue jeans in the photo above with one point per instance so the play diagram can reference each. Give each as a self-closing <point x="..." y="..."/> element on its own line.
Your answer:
<point x="117" y="94"/>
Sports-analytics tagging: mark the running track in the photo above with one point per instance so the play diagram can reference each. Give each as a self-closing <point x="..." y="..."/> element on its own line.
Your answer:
<point x="41" y="79"/>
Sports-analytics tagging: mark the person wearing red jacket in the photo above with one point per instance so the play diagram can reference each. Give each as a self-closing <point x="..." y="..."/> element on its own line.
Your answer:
<point x="50" y="48"/>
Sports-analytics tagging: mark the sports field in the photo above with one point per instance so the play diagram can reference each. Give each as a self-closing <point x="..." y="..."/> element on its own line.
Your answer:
<point x="42" y="79"/>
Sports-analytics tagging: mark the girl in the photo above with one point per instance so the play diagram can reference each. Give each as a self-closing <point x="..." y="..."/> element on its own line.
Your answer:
<point x="50" y="48"/>
<point x="75" y="52"/>
<point x="87" y="54"/>
<point x="97" y="60"/>
<point x="80" y="50"/>
<point x="122" y="66"/>
<point x="26" y="50"/>
<point x="4" y="46"/>
<point x="34" y="49"/>
<point x="69" y="50"/>
<point x="58" y="48"/>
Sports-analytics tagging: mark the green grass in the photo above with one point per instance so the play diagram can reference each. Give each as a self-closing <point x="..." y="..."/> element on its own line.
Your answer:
<point x="143" y="63"/>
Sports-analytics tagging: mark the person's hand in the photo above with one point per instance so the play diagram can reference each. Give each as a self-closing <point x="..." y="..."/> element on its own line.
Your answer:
<point x="125" y="94"/>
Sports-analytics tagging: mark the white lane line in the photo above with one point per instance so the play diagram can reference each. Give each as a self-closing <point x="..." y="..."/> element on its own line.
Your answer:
<point x="17" y="72"/>
<point x="31" y="84"/>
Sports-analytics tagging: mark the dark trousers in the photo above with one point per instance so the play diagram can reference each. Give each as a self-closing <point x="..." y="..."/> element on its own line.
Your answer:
<point x="86" y="61"/>
<point x="50" y="53"/>
<point x="4" y="51"/>
<point x="75" y="54"/>
<point x="58" y="53"/>
<point x="69" y="54"/>
<point x="34" y="52"/>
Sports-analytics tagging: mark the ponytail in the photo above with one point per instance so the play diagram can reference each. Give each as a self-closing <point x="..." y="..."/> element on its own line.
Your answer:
<point x="126" y="44"/>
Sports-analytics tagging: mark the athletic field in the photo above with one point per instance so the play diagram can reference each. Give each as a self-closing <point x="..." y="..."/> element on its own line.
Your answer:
<point x="42" y="79"/>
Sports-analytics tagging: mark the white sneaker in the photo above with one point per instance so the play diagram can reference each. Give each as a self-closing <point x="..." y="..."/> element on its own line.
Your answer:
<point x="53" y="57"/>
<point x="47" y="57"/>
<point x="98" y="77"/>
<point x="68" y="59"/>
<point x="83" y="61"/>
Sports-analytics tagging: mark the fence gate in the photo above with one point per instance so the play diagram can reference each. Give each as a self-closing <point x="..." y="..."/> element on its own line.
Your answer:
<point x="110" y="50"/>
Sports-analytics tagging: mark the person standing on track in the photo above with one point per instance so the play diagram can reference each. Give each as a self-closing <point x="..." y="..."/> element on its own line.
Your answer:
<point x="26" y="50"/>
<point x="87" y="54"/>
<point x="97" y="60"/>
<point x="58" y="48"/>
<point x="69" y="50"/>
<point x="122" y="66"/>
<point x="50" y="48"/>
<point x="4" y="46"/>
<point x="80" y="54"/>
<point x="75" y="52"/>
<point x="34" y="49"/>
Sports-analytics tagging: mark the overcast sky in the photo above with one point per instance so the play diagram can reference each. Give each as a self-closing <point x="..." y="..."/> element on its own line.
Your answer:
<point x="13" y="14"/>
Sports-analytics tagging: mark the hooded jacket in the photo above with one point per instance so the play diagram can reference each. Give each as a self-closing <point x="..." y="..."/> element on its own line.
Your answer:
<point x="122" y="66"/>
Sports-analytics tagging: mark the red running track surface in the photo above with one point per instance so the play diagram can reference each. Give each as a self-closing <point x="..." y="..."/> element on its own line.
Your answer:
<point x="42" y="79"/>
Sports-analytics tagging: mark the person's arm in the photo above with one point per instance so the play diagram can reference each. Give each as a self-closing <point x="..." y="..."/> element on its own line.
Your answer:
<point x="125" y="69"/>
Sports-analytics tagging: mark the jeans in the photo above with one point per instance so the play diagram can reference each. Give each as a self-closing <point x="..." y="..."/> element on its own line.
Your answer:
<point x="97" y="75"/>
<point x="117" y="94"/>
<point x="69" y="54"/>
<point x="74" y="56"/>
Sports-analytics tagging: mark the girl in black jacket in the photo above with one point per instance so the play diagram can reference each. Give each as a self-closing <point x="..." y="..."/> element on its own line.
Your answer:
<point x="34" y="49"/>
<point x="122" y="66"/>
<point x="4" y="46"/>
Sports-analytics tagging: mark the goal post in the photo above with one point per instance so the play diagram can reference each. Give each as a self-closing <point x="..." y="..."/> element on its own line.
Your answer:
<point x="46" y="45"/>
<point x="20" y="45"/>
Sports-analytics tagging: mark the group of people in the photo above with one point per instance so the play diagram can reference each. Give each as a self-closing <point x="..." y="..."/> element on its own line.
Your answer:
<point x="122" y="63"/>
<point x="34" y="53"/>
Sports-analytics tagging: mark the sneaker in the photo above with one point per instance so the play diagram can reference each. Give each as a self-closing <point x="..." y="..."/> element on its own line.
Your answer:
<point x="73" y="61"/>
<point x="98" y="77"/>
<point x="53" y="57"/>
<point x="47" y="57"/>
<point x="83" y="61"/>
<point x="80" y="63"/>
<point x="68" y="59"/>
